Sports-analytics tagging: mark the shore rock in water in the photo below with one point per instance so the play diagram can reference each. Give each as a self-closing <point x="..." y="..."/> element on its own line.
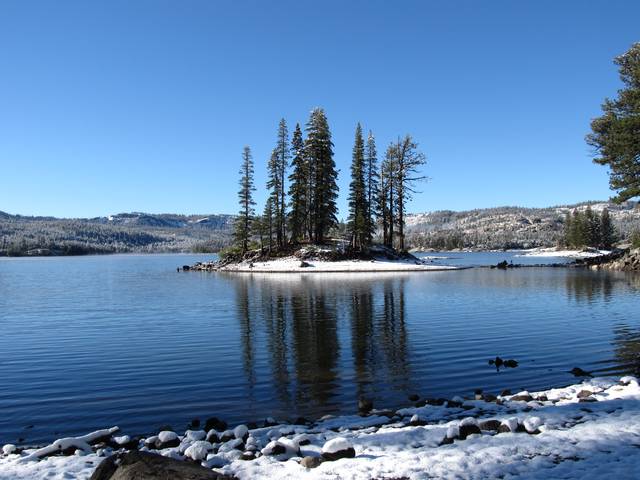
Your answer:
<point x="214" y="423"/>
<point x="338" y="448"/>
<point x="149" y="466"/>
<point x="364" y="406"/>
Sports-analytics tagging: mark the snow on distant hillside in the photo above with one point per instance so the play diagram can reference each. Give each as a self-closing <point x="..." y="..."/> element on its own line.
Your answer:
<point x="507" y="227"/>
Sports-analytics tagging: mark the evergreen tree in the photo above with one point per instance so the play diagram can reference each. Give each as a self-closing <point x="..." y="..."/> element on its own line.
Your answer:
<point x="616" y="134"/>
<point x="372" y="184"/>
<point x="592" y="228"/>
<point x="577" y="237"/>
<point x="408" y="162"/>
<point x="324" y="188"/>
<point x="267" y="222"/>
<point x="386" y="203"/>
<point x="277" y="168"/>
<point x="358" y="226"/>
<point x="245" y="197"/>
<point x="298" y="187"/>
<point x="608" y="234"/>
<point x="567" y="239"/>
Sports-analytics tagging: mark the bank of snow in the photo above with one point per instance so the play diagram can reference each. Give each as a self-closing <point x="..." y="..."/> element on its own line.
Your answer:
<point x="295" y="265"/>
<point x="555" y="252"/>
<point x="587" y="430"/>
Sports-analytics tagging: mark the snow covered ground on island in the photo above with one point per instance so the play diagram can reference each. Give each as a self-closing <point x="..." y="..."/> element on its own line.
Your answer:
<point x="295" y="265"/>
<point x="555" y="252"/>
<point x="583" y="431"/>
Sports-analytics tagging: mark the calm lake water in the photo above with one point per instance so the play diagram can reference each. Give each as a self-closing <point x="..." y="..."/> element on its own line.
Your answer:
<point x="90" y="342"/>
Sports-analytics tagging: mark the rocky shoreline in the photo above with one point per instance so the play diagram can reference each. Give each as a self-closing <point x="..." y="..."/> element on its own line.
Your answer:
<point x="507" y="434"/>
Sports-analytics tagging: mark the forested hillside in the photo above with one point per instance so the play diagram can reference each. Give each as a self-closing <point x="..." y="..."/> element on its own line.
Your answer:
<point x="491" y="228"/>
<point x="508" y="227"/>
<point x="126" y="232"/>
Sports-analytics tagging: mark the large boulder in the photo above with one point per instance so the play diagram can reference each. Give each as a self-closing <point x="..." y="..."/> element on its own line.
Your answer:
<point x="338" y="448"/>
<point x="149" y="466"/>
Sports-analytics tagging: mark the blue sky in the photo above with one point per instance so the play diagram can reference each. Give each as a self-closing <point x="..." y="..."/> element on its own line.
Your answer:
<point x="145" y="105"/>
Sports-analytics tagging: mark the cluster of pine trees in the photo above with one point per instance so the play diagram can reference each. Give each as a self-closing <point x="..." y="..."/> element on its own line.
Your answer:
<point x="303" y="190"/>
<point x="588" y="229"/>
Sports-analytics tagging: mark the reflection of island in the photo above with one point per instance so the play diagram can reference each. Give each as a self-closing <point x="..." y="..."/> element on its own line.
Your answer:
<point x="295" y="323"/>
<point x="627" y="349"/>
<point x="590" y="286"/>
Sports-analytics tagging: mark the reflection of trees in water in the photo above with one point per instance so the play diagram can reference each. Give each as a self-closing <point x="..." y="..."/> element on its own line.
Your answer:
<point x="589" y="286"/>
<point x="379" y="337"/>
<point x="243" y="309"/>
<point x="592" y="286"/>
<point x="299" y="320"/>
<point x="626" y="346"/>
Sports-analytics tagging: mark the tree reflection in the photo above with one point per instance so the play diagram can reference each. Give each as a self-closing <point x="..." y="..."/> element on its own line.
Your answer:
<point x="589" y="286"/>
<point x="298" y="322"/>
<point x="627" y="349"/>
<point x="594" y="286"/>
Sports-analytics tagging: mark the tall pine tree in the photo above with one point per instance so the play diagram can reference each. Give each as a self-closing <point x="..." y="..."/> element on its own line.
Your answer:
<point x="245" y="198"/>
<point x="616" y="134"/>
<point x="608" y="234"/>
<point x="319" y="151"/>
<point x="298" y="187"/>
<point x="372" y="184"/>
<point x="277" y="168"/>
<point x="386" y="197"/>
<point x="358" y="225"/>
<point x="408" y="162"/>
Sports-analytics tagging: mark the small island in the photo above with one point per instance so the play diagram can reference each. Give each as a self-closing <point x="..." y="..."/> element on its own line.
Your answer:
<point x="321" y="259"/>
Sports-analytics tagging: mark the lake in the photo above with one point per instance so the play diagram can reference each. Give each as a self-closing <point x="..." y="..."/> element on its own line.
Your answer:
<point x="91" y="342"/>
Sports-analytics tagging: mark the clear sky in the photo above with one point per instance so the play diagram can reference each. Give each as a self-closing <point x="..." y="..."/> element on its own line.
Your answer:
<point x="145" y="105"/>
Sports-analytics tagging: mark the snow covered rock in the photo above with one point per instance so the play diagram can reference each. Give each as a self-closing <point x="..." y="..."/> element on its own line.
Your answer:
<point x="198" y="450"/>
<point x="235" y="444"/>
<point x="124" y="439"/>
<point x="302" y="439"/>
<point x="166" y="439"/>
<point x="628" y="380"/>
<point x="8" y="449"/>
<point x="523" y="396"/>
<point x="338" y="448"/>
<point x="241" y="431"/>
<point x="468" y="426"/>
<point x="215" y="461"/>
<point x="532" y="424"/>
<point x="195" y="435"/>
<point x="282" y="446"/>
<point x="509" y="425"/>
<point x="453" y="431"/>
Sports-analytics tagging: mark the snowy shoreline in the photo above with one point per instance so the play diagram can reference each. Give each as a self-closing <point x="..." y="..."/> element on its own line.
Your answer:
<point x="294" y="265"/>
<point x="590" y="429"/>
<point x="555" y="252"/>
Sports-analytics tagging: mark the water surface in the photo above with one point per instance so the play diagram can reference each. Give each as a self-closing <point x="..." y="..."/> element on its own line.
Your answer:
<point x="89" y="342"/>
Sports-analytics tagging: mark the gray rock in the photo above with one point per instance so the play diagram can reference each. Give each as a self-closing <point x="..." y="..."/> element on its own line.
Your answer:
<point x="584" y="394"/>
<point x="347" y="453"/>
<point x="491" y="425"/>
<point x="466" y="430"/>
<point x="149" y="466"/>
<point x="310" y="462"/>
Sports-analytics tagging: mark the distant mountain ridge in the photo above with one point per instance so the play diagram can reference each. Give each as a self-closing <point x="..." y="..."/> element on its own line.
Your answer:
<point x="486" y="228"/>
<point x="507" y="227"/>
<point x="119" y="233"/>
